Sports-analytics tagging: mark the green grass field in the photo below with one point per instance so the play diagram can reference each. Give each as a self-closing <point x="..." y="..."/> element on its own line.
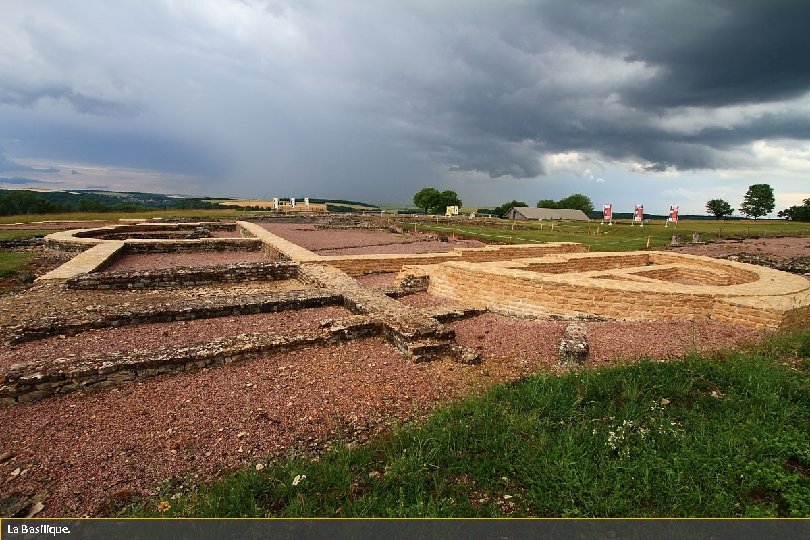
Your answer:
<point x="16" y="234"/>
<point x="719" y="437"/>
<point x="12" y="262"/>
<point x="619" y="237"/>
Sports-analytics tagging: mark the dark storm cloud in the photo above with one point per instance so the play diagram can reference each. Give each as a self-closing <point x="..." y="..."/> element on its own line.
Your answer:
<point x="9" y="165"/>
<point x="700" y="55"/>
<point x="706" y="53"/>
<point x="379" y="98"/>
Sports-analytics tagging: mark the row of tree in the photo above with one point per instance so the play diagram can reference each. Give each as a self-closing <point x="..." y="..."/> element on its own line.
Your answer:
<point x="758" y="201"/>
<point x="22" y="202"/>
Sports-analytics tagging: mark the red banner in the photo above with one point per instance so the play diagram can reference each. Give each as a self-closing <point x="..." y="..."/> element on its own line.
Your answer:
<point x="673" y="214"/>
<point x="607" y="212"/>
<point x="639" y="215"/>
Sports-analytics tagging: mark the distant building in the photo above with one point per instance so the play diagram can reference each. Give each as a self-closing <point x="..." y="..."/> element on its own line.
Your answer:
<point x="526" y="213"/>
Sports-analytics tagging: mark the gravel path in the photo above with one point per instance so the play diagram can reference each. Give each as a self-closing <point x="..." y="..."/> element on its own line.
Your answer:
<point x="615" y="342"/>
<point x="83" y="451"/>
<point x="777" y="247"/>
<point x="132" y="262"/>
<point x="424" y="300"/>
<point x="377" y="280"/>
<point x="362" y="241"/>
<point x="511" y="348"/>
<point x="181" y="333"/>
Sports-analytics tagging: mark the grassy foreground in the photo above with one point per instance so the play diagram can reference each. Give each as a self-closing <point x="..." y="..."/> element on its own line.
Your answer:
<point x="725" y="436"/>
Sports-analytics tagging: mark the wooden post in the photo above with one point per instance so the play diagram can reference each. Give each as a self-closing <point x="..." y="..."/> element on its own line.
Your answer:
<point x="648" y="240"/>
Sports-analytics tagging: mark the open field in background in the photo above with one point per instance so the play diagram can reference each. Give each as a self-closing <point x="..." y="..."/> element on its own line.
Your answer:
<point x="27" y="233"/>
<point x="621" y="236"/>
<point x="725" y="436"/>
<point x="108" y="216"/>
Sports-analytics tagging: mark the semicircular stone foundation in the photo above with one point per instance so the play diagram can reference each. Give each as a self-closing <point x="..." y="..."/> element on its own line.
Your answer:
<point x="625" y="286"/>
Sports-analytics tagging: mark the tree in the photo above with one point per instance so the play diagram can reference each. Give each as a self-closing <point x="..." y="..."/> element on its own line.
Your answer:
<point x="501" y="210"/>
<point x="758" y="201"/>
<point x="427" y="198"/>
<point x="546" y="203"/>
<point x="577" y="201"/>
<point x="447" y="198"/>
<point x="797" y="213"/>
<point x="433" y="200"/>
<point x="719" y="208"/>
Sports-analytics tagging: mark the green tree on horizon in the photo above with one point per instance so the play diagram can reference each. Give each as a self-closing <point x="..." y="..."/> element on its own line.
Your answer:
<point x="758" y="201"/>
<point x="797" y="213"/>
<point x="719" y="208"/>
<point x="426" y="198"/>
<point x="577" y="201"/>
<point x="432" y="200"/>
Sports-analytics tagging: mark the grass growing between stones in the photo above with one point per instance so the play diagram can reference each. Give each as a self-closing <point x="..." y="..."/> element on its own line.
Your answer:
<point x="18" y="234"/>
<point x="721" y="437"/>
<point x="12" y="262"/>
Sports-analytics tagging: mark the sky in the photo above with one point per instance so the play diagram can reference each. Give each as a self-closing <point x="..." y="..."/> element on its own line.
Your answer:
<point x="654" y="102"/>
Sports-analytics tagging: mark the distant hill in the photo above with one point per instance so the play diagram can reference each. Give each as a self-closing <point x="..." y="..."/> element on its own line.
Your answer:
<point x="14" y="201"/>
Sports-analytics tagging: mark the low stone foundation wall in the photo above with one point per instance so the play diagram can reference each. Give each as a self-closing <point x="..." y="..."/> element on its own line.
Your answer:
<point x="636" y="286"/>
<point x="795" y="265"/>
<point x="358" y="265"/>
<point x="184" y="277"/>
<point x="32" y="382"/>
<point x="114" y="316"/>
<point x="153" y="230"/>
<point x="200" y="244"/>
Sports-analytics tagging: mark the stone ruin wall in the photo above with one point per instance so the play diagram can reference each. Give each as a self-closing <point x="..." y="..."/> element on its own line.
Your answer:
<point x="640" y="286"/>
<point x="184" y="277"/>
<point x="489" y="277"/>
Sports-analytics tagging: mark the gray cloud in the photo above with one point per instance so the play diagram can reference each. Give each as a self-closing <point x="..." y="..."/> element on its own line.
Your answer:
<point x="19" y="180"/>
<point x="376" y="100"/>
<point x="80" y="102"/>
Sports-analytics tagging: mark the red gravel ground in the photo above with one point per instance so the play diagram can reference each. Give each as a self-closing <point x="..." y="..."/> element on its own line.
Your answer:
<point x="133" y="262"/>
<point x="511" y="348"/>
<point x="615" y="342"/>
<point x="776" y="247"/>
<point x="377" y="280"/>
<point x="426" y="300"/>
<point x="81" y="452"/>
<point x="181" y="333"/>
<point x="361" y="241"/>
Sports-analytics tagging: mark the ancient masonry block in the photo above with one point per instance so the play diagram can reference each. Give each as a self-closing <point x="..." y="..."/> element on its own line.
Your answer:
<point x="573" y="349"/>
<point x="183" y="277"/>
<point x="626" y="286"/>
<point x="113" y="315"/>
